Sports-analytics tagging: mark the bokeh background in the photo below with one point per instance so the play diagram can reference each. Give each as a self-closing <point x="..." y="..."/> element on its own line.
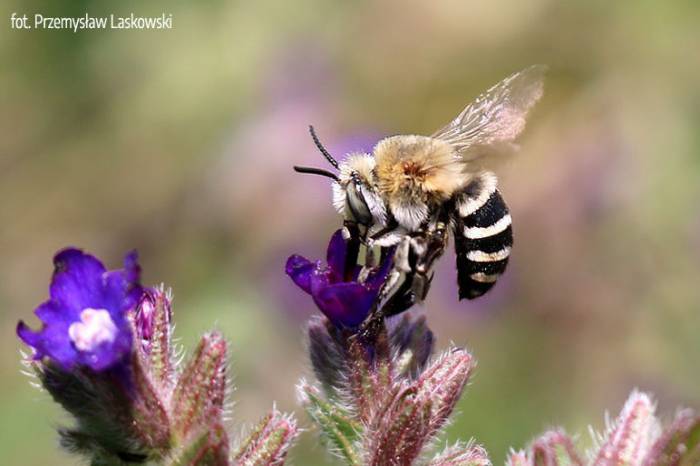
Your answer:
<point x="180" y="143"/>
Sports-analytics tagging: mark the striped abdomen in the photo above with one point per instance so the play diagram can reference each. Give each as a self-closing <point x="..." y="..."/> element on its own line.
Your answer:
<point x="483" y="236"/>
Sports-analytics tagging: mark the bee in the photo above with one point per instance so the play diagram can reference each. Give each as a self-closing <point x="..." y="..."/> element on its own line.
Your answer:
<point x="412" y="192"/>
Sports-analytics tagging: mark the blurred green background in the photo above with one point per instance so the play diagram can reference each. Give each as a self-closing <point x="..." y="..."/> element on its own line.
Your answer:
<point x="180" y="143"/>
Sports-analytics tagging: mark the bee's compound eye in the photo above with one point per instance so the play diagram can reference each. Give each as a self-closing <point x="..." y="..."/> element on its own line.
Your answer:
<point x="356" y="201"/>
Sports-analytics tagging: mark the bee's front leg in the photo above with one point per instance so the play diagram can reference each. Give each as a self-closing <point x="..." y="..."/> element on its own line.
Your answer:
<point x="353" y="234"/>
<point x="403" y="255"/>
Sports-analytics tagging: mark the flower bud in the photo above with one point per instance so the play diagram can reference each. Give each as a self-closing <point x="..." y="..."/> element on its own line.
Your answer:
<point x="398" y="431"/>
<point x="268" y="443"/>
<point x="518" y="458"/>
<point x="443" y="383"/>
<point x="150" y="422"/>
<point x="630" y="438"/>
<point x="200" y="393"/>
<point x="462" y="455"/>
<point x="679" y="444"/>
<point x="153" y="335"/>
<point x="554" y="448"/>
<point x="370" y="379"/>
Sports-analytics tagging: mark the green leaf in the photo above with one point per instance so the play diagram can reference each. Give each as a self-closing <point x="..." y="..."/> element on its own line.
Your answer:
<point x="336" y="425"/>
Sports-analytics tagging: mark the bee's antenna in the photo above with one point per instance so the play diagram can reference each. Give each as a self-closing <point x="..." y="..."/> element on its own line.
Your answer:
<point x="316" y="171"/>
<point x="320" y="147"/>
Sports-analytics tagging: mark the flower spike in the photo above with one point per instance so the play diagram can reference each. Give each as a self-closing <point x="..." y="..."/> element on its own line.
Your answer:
<point x="105" y="354"/>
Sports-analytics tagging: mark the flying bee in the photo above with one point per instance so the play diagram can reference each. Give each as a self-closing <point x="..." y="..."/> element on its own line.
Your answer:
<point x="413" y="191"/>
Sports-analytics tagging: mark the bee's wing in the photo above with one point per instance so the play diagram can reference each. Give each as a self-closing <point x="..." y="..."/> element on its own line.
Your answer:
<point x="493" y="121"/>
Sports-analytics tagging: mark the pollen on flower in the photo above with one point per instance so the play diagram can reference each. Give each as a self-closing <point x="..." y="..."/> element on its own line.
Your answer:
<point x="94" y="328"/>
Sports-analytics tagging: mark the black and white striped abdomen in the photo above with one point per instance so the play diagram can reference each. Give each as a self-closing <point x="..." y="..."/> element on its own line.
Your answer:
<point x="483" y="236"/>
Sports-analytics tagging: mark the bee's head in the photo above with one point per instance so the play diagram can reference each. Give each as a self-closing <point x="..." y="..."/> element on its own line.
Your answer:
<point x="354" y="192"/>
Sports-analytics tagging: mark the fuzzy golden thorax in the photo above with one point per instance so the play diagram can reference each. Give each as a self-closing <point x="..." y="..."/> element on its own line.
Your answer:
<point x="417" y="169"/>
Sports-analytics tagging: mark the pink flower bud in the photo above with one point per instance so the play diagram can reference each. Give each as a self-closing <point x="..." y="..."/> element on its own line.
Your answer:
<point x="462" y="455"/>
<point x="150" y="418"/>
<point x="555" y="448"/>
<point x="370" y="380"/>
<point x="443" y="383"/>
<point x="200" y="392"/>
<point x="679" y="445"/>
<point x="631" y="436"/>
<point x="518" y="458"/>
<point x="268" y="443"/>
<point x="399" y="430"/>
<point x="153" y="335"/>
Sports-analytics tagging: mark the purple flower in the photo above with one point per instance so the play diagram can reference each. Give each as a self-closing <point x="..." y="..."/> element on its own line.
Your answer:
<point x="346" y="301"/>
<point x="85" y="320"/>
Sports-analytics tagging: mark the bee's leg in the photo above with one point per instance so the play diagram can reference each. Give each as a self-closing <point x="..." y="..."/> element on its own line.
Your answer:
<point x="391" y="226"/>
<point x="421" y="285"/>
<point x="353" y="236"/>
<point x="413" y="258"/>
<point x="404" y="296"/>
<point x="402" y="299"/>
<point x="404" y="255"/>
<point x="427" y="248"/>
<point x="370" y="258"/>
<point x="384" y="255"/>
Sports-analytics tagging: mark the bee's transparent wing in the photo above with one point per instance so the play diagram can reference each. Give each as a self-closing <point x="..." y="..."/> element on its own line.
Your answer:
<point x="493" y="121"/>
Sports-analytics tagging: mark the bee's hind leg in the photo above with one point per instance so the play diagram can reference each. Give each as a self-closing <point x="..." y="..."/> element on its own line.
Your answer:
<point x="427" y="247"/>
<point x="402" y="299"/>
<point x="409" y="261"/>
<point x="412" y="290"/>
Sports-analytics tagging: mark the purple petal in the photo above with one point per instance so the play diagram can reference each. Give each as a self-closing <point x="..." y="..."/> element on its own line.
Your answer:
<point x="121" y="287"/>
<point x="132" y="268"/>
<point x="77" y="281"/>
<point x="31" y="338"/>
<point x="300" y="270"/>
<point x="335" y="255"/>
<point x="345" y="304"/>
<point x="52" y="340"/>
<point x="377" y="277"/>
